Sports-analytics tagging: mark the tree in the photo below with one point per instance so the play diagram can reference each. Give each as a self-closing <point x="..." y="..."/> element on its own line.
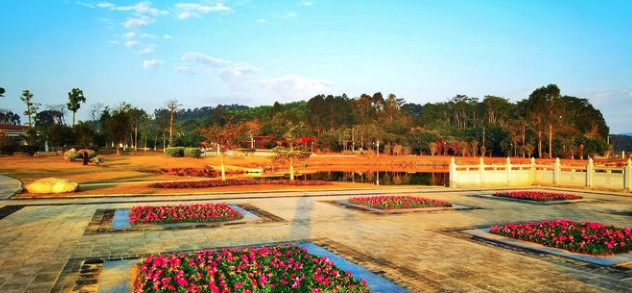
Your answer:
<point x="118" y="126"/>
<point x="295" y="151"/>
<point x="251" y="128"/>
<point x="1" y="92"/>
<point x="227" y="137"/>
<point x="59" y="136"/>
<point x="83" y="133"/>
<point x="172" y="107"/>
<point x="75" y="98"/>
<point x="8" y="117"/>
<point x="31" y="108"/>
<point x="136" y="116"/>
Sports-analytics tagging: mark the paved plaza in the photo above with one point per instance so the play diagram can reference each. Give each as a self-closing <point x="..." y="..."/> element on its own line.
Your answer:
<point x="44" y="243"/>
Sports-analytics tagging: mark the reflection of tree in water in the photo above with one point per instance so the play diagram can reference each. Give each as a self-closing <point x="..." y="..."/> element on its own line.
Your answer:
<point x="385" y="177"/>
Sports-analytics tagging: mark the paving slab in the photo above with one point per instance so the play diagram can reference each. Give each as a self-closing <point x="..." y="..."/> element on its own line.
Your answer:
<point x="422" y="252"/>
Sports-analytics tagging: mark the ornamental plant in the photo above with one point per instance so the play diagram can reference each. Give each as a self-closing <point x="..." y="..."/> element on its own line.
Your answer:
<point x="398" y="202"/>
<point x="284" y="268"/>
<point x="585" y="237"/>
<point x="183" y="213"/>
<point x="537" y="195"/>
<point x="175" y="151"/>
<point x="234" y="182"/>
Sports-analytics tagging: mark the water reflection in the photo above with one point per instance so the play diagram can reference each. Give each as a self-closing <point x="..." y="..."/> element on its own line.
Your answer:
<point x="380" y="177"/>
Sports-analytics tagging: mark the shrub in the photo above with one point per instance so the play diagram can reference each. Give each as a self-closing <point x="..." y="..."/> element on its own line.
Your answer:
<point x="28" y="150"/>
<point x="72" y="154"/>
<point x="175" y="151"/>
<point x="98" y="160"/>
<point x="192" y="152"/>
<point x="8" y="149"/>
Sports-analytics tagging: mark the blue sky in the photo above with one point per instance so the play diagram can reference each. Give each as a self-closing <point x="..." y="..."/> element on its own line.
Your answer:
<point x="250" y="52"/>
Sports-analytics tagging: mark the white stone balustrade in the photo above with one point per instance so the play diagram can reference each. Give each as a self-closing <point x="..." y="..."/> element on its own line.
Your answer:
<point x="590" y="176"/>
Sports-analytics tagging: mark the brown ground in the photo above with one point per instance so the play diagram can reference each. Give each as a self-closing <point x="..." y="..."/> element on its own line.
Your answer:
<point x="136" y="167"/>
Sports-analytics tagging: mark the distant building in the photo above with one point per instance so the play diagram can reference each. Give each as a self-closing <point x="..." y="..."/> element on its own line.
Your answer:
<point x="14" y="132"/>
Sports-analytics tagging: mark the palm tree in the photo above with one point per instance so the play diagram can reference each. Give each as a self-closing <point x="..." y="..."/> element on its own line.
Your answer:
<point x="75" y="98"/>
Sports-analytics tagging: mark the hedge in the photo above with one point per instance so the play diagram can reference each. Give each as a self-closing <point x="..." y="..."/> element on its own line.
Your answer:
<point x="192" y="152"/>
<point x="175" y="151"/>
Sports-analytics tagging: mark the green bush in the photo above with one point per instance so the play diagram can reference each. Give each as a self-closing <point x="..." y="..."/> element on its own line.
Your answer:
<point x="192" y="152"/>
<point x="8" y="149"/>
<point x="175" y="151"/>
<point x="28" y="150"/>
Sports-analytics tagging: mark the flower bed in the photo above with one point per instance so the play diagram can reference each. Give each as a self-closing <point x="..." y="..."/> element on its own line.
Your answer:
<point x="234" y="182"/>
<point x="398" y="202"/>
<point x="266" y="269"/>
<point x="585" y="237"/>
<point x="183" y="213"/>
<point x="537" y="195"/>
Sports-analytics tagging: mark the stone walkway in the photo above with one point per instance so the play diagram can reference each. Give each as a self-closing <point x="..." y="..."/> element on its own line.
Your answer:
<point x="420" y="251"/>
<point x="9" y="187"/>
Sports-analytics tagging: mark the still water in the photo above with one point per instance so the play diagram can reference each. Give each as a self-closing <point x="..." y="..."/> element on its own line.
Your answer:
<point x="379" y="177"/>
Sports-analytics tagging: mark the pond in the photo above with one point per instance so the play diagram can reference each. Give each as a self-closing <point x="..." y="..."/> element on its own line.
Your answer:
<point x="378" y="177"/>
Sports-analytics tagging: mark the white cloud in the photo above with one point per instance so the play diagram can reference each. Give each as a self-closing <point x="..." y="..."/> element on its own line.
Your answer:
<point x="137" y="22"/>
<point x="130" y="35"/>
<point x="147" y="49"/>
<point x="204" y="60"/>
<point x="296" y="87"/>
<point x="105" y="4"/>
<point x="289" y="15"/>
<point x="143" y="7"/>
<point x="152" y="62"/>
<point x="131" y="44"/>
<point x="113" y="42"/>
<point x="85" y="4"/>
<point x="261" y="20"/>
<point x="167" y="37"/>
<point x="149" y="36"/>
<point x="612" y="104"/>
<point x="188" y="10"/>
<point x="307" y="3"/>
<point x="237" y="77"/>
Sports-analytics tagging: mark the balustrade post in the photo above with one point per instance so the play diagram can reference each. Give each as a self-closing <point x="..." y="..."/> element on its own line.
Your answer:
<point x="590" y="174"/>
<point x="556" y="171"/>
<point x="481" y="172"/>
<point x="508" y="168"/>
<point x="532" y="171"/>
<point x="628" y="176"/>
<point x="452" y="172"/>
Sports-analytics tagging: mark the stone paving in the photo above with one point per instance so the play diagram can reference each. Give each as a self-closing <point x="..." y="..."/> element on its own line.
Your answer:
<point x="9" y="186"/>
<point x="420" y="251"/>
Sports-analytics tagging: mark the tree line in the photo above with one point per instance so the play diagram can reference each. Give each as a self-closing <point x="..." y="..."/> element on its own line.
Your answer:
<point x="546" y="124"/>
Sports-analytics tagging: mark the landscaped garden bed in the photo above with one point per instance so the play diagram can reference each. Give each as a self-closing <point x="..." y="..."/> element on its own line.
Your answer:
<point x="283" y="268"/>
<point x="395" y="202"/>
<point x="591" y="242"/>
<point x="537" y="195"/>
<point x="235" y="182"/>
<point x="183" y="214"/>
<point x="586" y="237"/>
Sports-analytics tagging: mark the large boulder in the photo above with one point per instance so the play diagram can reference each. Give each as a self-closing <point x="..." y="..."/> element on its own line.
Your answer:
<point x="51" y="185"/>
